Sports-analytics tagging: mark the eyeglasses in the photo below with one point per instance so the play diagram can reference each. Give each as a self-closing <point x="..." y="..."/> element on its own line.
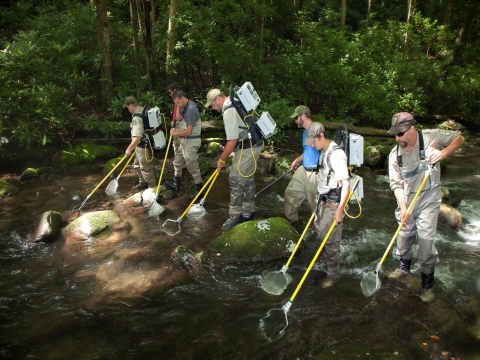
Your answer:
<point x="400" y="134"/>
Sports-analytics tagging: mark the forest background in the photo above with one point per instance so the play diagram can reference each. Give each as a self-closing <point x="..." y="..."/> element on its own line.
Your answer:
<point x="67" y="66"/>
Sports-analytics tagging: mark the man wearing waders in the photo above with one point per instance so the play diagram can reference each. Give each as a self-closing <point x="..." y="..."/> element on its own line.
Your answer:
<point x="143" y="163"/>
<point x="333" y="190"/>
<point x="244" y="162"/>
<point x="303" y="185"/>
<point x="415" y="152"/>
<point x="187" y="152"/>
<point x="178" y="124"/>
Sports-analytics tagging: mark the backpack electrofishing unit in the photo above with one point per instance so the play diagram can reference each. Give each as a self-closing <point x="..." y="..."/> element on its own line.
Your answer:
<point x="352" y="145"/>
<point x="153" y="137"/>
<point x="246" y="101"/>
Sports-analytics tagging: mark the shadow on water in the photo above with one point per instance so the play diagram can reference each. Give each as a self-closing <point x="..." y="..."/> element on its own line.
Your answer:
<point x="91" y="299"/>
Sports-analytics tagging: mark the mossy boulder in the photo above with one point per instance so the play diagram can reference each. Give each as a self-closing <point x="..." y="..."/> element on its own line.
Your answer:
<point x="261" y="240"/>
<point x="7" y="189"/>
<point x="47" y="227"/>
<point x="93" y="223"/>
<point x="83" y="153"/>
<point x="28" y="175"/>
<point x="214" y="149"/>
<point x="371" y="156"/>
<point x="283" y="165"/>
<point x="111" y="164"/>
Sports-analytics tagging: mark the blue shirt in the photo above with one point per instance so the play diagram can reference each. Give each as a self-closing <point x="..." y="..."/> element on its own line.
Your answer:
<point x="310" y="154"/>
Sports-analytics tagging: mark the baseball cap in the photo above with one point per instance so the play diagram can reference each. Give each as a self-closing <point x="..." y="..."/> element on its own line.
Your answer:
<point x="313" y="131"/>
<point x="129" y="100"/>
<point x="400" y="121"/>
<point x="302" y="109"/>
<point x="212" y="94"/>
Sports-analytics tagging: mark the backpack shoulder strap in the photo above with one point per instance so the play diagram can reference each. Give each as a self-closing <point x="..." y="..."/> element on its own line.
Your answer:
<point x="329" y="154"/>
<point x="421" y="149"/>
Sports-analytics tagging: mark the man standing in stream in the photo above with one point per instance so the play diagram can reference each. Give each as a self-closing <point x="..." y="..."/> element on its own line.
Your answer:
<point x="414" y="153"/>
<point x="244" y="163"/>
<point x="143" y="163"/>
<point x="303" y="185"/>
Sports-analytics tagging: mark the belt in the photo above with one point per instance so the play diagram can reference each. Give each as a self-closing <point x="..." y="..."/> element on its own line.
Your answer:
<point x="312" y="169"/>
<point x="192" y="137"/>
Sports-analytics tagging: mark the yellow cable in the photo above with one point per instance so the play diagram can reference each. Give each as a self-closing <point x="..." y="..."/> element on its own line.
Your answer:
<point x="251" y="150"/>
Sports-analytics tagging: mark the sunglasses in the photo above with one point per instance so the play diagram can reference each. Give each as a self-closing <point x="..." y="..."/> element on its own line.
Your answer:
<point x="400" y="134"/>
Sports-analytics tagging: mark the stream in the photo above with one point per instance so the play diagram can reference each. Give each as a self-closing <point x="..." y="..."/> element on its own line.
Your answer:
<point x="54" y="305"/>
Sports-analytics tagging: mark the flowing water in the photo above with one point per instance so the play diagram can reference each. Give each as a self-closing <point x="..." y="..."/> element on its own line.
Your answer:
<point x="52" y="307"/>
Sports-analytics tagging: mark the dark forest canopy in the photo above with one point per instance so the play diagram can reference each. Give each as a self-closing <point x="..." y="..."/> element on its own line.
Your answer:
<point x="66" y="65"/>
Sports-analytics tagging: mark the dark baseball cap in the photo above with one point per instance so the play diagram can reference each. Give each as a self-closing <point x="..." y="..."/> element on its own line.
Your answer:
<point x="400" y="121"/>
<point x="302" y="109"/>
<point x="313" y="131"/>
<point x="129" y="100"/>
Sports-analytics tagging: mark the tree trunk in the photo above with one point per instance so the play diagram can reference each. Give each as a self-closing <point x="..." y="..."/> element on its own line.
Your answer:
<point x="103" y="33"/>
<point x="148" y="43"/>
<point x="344" y="15"/>
<point x="411" y="10"/>
<point x="369" y="11"/>
<point x="154" y="18"/>
<point x="448" y="10"/>
<point x="136" y="52"/>
<point x="171" y="35"/>
<point x="469" y="15"/>
<point x="259" y="26"/>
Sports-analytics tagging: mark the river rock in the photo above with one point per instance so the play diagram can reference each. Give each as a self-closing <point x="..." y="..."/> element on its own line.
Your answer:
<point x="93" y="223"/>
<point x="134" y="200"/>
<point x="29" y="174"/>
<point x="260" y="240"/>
<point x="7" y="189"/>
<point x="371" y="156"/>
<point x="47" y="227"/>
<point x="449" y="216"/>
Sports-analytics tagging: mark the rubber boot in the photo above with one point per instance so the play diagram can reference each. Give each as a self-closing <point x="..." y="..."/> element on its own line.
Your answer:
<point x="198" y="187"/>
<point x="174" y="185"/>
<point x="403" y="269"/>
<point x="428" y="281"/>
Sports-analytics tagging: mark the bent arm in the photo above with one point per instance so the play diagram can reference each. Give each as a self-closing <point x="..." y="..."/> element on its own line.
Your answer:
<point x="344" y="196"/>
<point x="133" y="145"/>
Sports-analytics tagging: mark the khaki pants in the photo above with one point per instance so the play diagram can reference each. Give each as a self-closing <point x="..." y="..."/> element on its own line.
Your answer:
<point x="303" y="186"/>
<point x="143" y="165"/>
<point x="323" y="221"/>
<point x="242" y="183"/>
<point x="187" y="154"/>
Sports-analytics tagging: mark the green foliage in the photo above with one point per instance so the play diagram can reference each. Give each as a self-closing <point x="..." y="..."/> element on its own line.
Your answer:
<point x="292" y="52"/>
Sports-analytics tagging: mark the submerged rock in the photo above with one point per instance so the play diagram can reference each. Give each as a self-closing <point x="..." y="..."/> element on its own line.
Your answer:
<point x="260" y="240"/>
<point x="47" y="227"/>
<point x="7" y="189"/>
<point x="93" y="223"/>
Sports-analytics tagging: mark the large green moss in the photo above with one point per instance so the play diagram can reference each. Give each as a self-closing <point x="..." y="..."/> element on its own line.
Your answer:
<point x="7" y="189"/>
<point x="111" y="164"/>
<point x="83" y="153"/>
<point x="259" y="240"/>
<point x="94" y="223"/>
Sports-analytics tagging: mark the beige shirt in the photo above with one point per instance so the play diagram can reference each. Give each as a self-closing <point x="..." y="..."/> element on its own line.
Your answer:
<point x="410" y="175"/>
<point x="136" y="126"/>
<point x="233" y="122"/>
